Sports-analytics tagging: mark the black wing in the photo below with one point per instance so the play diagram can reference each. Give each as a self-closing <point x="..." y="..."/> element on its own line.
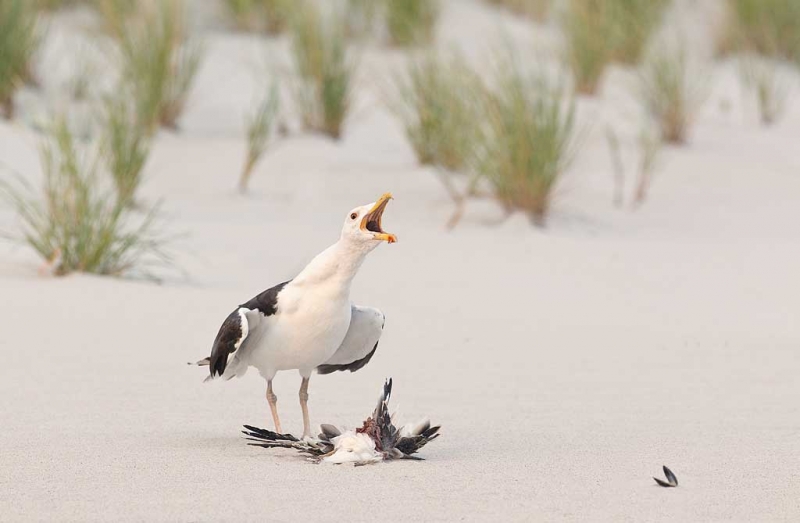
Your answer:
<point x="236" y="328"/>
<point x="670" y="476"/>
<point x="269" y="440"/>
<point x="419" y="438"/>
<point x="384" y="432"/>
<point x="267" y="301"/>
<point x="230" y="337"/>
<point x="386" y="435"/>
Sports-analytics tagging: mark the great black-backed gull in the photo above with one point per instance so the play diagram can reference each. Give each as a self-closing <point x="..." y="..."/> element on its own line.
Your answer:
<point x="377" y="439"/>
<point x="307" y="323"/>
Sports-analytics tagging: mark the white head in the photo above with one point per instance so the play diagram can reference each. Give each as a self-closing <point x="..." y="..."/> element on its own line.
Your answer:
<point x="362" y="226"/>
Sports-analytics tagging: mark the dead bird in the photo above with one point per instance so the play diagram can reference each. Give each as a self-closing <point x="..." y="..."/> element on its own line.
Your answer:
<point x="672" y="481"/>
<point x="378" y="439"/>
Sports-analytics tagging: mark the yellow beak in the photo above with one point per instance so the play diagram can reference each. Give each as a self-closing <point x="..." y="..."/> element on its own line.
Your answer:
<point x="372" y="220"/>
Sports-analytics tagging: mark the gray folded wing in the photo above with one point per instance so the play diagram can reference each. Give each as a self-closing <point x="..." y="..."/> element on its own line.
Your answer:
<point x="360" y="342"/>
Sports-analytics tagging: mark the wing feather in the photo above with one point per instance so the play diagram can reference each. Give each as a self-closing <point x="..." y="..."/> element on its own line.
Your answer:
<point x="360" y="342"/>
<point x="238" y="326"/>
<point x="231" y="335"/>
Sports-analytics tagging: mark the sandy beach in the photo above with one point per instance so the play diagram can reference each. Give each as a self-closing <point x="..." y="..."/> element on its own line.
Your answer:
<point x="566" y="364"/>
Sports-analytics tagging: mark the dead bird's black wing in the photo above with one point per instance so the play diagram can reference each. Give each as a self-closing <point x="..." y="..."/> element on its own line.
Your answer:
<point x="421" y="436"/>
<point x="267" y="439"/>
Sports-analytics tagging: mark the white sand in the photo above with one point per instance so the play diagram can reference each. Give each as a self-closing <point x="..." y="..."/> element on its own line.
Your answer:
<point x="566" y="365"/>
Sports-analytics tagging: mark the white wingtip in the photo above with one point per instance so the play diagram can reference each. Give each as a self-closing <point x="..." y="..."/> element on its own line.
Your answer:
<point x="245" y="327"/>
<point x="414" y="429"/>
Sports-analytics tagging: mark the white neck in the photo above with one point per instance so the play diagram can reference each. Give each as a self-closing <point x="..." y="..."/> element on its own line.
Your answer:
<point x="337" y="265"/>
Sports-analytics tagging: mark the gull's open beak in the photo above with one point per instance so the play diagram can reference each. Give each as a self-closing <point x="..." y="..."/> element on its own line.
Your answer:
<point x="372" y="221"/>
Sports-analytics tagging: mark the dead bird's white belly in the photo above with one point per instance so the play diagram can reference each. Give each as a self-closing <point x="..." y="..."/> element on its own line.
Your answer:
<point x="305" y="333"/>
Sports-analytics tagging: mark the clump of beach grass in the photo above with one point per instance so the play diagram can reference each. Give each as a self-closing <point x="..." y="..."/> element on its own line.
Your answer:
<point x="762" y="77"/>
<point x="74" y="224"/>
<point x="438" y="104"/>
<point x="82" y="84"/>
<point x="53" y="5"/>
<point x="634" y="22"/>
<point x="159" y="62"/>
<point x="649" y="145"/>
<point x="325" y="70"/>
<point x="255" y="15"/>
<point x="598" y="32"/>
<point x="116" y="14"/>
<point x="260" y="126"/>
<point x="19" y="40"/>
<point x="588" y="26"/>
<point x="535" y="9"/>
<point x="244" y="13"/>
<point x="277" y="14"/>
<point x="530" y="139"/>
<point x="767" y="27"/>
<point x="411" y="22"/>
<point x="615" y="149"/>
<point x="671" y="91"/>
<point x="362" y="16"/>
<point x="125" y="149"/>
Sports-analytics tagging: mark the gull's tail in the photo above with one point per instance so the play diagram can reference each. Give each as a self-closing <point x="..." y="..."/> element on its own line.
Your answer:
<point x="205" y="362"/>
<point x="233" y="370"/>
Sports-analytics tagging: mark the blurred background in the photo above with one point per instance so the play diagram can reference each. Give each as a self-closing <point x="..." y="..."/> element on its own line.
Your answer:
<point x="597" y="210"/>
<point x="556" y="110"/>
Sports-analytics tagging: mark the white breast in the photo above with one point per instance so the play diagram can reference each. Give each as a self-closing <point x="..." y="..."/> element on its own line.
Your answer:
<point x="353" y="447"/>
<point x="310" y="324"/>
<point x="312" y="314"/>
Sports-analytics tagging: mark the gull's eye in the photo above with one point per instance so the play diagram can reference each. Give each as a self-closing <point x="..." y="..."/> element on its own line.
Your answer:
<point x="353" y="216"/>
